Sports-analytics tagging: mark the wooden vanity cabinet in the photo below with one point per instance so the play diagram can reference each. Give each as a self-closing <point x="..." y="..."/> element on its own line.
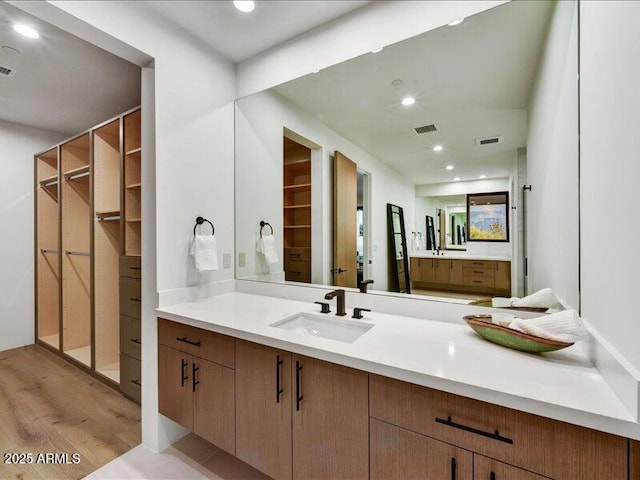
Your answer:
<point x="489" y="469"/>
<point x="316" y="427"/>
<point x="197" y="392"/>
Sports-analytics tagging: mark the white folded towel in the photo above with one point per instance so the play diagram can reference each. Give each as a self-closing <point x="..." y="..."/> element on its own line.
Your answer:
<point x="266" y="245"/>
<point x="564" y="326"/>
<point x="204" y="250"/>
<point x="503" y="301"/>
<point x="541" y="298"/>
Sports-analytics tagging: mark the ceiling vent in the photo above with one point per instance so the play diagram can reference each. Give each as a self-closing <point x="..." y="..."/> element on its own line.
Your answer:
<point x="425" y="129"/>
<point x="489" y="140"/>
<point x="6" y="71"/>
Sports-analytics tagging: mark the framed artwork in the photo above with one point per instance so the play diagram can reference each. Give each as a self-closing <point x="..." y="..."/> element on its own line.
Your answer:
<point x="488" y="217"/>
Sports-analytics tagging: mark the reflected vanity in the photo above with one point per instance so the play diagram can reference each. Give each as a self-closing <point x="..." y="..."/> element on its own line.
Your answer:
<point x="323" y="155"/>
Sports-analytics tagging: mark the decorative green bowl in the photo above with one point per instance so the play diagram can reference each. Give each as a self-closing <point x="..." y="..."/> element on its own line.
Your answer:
<point x="481" y="324"/>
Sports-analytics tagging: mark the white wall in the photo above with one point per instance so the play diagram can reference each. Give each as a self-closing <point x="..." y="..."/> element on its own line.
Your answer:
<point x="193" y="101"/>
<point x="260" y="119"/>
<point x="609" y="169"/>
<point x="552" y="162"/>
<point x="17" y="313"/>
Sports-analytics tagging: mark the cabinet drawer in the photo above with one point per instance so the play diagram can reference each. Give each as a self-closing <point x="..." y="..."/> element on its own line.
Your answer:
<point x="478" y="272"/>
<point x="517" y="438"/>
<point x="130" y="337"/>
<point x="130" y="297"/>
<point x="297" y="270"/>
<point x="198" y="342"/>
<point x="480" y="263"/>
<point x="130" y="377"/>
<point x="488" y="282"/>
<point x="489" y="469"/>
<point x="130" y="266"/>
<point x="297" y="254"/>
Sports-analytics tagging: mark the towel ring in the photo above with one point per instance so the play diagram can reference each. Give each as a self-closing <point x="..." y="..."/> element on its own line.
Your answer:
<point x="200" y="221"/>
<point x="264" y="224"/>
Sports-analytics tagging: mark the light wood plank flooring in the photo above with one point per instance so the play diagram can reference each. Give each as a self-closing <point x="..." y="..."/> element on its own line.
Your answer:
<point x="48" y="405"/>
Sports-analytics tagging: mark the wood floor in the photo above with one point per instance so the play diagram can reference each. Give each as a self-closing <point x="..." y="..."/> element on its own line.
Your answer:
<point x="50" y="406"/>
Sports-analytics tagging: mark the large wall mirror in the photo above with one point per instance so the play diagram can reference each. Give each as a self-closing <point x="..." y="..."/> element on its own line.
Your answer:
<point x="485" y="110"/>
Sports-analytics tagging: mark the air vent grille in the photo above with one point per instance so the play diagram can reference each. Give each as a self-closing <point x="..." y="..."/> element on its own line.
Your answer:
<point x="425" y="129"/>
<point x="489" y="140"/>
<point x="6" y="71"/>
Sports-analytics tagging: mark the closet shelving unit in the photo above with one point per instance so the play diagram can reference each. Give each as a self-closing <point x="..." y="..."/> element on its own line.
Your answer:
<point x="87" y="193"/>
<point x="47" y="255"/>
<point x="297" y="212"/>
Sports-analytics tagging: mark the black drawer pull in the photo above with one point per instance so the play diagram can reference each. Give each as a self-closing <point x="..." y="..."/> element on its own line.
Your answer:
<point x="294" y="255"/>
<point x="453" y="468"/>
<point x="492" y="476"/>
<point x="185" y="340"/>
<point x="494" y="436"/>
<point x="135" y="268"/>
<point x="477" y="281"/>
<point x="135" y="300"/>
<point x="194" y="376"/>
<point x="279" y="390"/>
<point x="136" y="340"/>
<point x="137" y="382"/>
<point x="298" y="396"/>
<point x="183" y="373"/>
<point x="476" y="271"/>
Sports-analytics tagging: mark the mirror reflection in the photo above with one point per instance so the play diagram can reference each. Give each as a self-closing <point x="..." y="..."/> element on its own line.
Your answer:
<point x="405" y="170"/>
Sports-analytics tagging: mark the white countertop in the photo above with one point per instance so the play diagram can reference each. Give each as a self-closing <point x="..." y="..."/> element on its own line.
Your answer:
<point x="456" y="256"/>
<point x="562" y="385"/>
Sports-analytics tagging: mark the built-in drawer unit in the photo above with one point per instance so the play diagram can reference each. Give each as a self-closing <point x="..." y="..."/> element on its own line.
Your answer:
<point x="130" y="266"/>
<point x="297" y="254"/>
<point x="130" y="297"/>
<point x="201" y="343"/>
<point x="541" y="445"/>
<point x="130" y="377"/>
<point x="297" y="270"/>
<point x="488" y="282"/>
<point x="130" y="337"/>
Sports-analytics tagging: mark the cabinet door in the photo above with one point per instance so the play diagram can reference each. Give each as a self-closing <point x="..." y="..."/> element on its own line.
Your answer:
<point x="428" y="269"/>
<point x="175" y="399"/>
<point x="330" y="420"/>
<point x="456" y="272"/>
<point x="397" y="453"/>
<point x="213" y="388"/>
<point x="503" y="277"/>
<point x="488" y="469"/>
<point x="442" y="273"/>
<point x="263" y="411"/>
<point x="415" y="270"/>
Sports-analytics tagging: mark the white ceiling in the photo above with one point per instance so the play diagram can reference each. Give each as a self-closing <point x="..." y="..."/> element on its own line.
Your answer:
<point x="62" y="83"/>
<point x="238" y="36"/>
<point x="471" y="81"/>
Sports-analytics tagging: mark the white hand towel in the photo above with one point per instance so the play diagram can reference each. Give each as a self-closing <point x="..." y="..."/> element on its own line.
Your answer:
<point x="564" y="326"/>
<point x="419" y="243"/>
<point x="503" y="301"/>
<point x="542" y="298"/>
<point x="269" y="249"/>
<point x="204" y="250"/>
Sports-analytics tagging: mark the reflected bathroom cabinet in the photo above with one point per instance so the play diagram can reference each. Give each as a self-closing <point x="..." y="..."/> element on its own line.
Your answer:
<point x="80" y="238"/>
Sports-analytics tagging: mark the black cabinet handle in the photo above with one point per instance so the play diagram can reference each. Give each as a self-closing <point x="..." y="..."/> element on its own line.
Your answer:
<point x="185" y="340"/>
<point x="195" y="376"/>
<point x="298" y="396"/>
<point x="135" y="300"/>
<point x="136" y="340"/>
<point x="494" y="436"/>
<point x="183" y="374"/>
<point x="492" y="476"/>
<point x="279" y="390"/>
<point x="137" y="382"/>
<point x="453" y="468"/>
<point x="294" y="255"/>
<point x="135" y="268"/>
<point x="476" y="271"/>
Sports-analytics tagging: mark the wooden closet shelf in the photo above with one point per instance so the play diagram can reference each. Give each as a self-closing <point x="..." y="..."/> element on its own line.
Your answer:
<point x="297" y="226"/>
<point x="49" y="181"/>
<point x="297" y="248"/>
<point x="133" y="185"/>
<point x="134" y="151"/>
<point x="300" y="186"/>
<point x="134" y="220"/>
<point x="286" y="207"/>
<point x="78" y="172"/>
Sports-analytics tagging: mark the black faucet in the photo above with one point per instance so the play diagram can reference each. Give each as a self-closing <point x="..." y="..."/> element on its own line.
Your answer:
<point x="363" y="285"/>
<point x="357" y="312"/>
<point x="340" y="294"/>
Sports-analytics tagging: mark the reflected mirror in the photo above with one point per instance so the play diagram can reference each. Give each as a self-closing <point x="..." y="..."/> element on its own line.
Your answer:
<point x="430" y="125"/>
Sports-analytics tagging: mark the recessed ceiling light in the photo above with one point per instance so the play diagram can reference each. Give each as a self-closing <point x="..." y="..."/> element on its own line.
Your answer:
<point x="483" y="176"/>
<point x="457" y="179"/>
<point x="377" y="50"/>
<point x="449" y="167"/>
<point x="406" y="101"/>
<point x="456" y="22"/>
<point x="245" y="6"/>
<point x="438" y="148"/>
<point x="26" y="31"/>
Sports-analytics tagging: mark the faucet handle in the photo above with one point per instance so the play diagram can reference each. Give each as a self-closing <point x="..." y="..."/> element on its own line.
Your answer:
<point x="324" y="307"/>
<point x="357" y="312"/>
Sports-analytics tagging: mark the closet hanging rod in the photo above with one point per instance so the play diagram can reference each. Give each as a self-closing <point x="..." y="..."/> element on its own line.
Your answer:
<point x="48" y="184"/>
<point x="48" y="250"/>
<point x="77" y="175"/>
<point x="80" y="254"/>
<point x="111" y="218"/>
<point x="264" y="224"/>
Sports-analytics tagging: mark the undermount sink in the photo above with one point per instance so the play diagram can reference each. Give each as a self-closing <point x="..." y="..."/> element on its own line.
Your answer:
<point x="324" y="326"/>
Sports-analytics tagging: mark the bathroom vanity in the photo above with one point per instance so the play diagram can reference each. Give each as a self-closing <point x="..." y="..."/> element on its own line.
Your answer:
<point x="403" y="398"/>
